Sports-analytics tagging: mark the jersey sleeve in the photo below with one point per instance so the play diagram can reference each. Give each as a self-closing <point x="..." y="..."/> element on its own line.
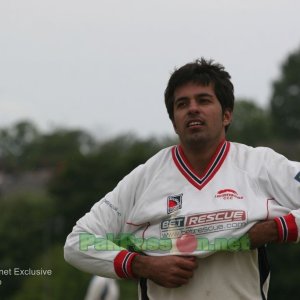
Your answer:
<point x="282" y="180"/>
<point x="92" y="245"/>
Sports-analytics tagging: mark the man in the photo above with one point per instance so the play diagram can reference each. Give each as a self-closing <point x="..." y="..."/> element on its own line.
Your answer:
<point x="192" y="221"/>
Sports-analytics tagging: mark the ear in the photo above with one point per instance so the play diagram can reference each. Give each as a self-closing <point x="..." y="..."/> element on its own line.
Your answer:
<point x="227" y="117"/>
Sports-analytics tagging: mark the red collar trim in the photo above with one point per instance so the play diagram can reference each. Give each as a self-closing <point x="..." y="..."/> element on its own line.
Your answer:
<point x="199" y="181"/>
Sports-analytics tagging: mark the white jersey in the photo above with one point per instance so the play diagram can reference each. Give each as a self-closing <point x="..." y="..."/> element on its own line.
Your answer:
<point x="161" y="206"/>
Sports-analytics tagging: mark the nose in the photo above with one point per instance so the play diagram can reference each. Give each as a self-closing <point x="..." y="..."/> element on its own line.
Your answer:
<point x="193" y="106"/>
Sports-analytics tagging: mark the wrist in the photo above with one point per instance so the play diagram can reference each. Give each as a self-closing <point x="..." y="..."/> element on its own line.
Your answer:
<point x="273" y="231"/>
<point x="138" y="266"/>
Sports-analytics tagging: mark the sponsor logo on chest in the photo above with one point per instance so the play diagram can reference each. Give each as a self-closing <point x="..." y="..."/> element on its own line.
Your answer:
<point x="203" y="223"/>
<point x="228" y="194"/>
<point x="216" y="217"/>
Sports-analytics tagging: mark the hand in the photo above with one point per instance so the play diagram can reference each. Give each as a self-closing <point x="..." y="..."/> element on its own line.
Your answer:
<point x="262" y="233"/>
<point x="168" y="271"/>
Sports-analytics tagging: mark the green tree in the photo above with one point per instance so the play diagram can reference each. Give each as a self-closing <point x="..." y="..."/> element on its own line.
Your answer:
<point x="26" y="229"/>
<point x="250" y="125"/>
<point x="13" y="142"/>
<point x="23" y="147"/>
<point x="83" y="181"/>
<point x="285" y="100"/>
<point x="65" y="282"/>
<point x="55" y="148"/>
<point x="285" y="271"/>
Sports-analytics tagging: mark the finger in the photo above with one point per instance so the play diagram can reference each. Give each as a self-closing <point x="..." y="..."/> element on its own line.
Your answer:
<point x="176" y="282"/>
<point x="187" y="264"/>
<point x="184" y="274"/>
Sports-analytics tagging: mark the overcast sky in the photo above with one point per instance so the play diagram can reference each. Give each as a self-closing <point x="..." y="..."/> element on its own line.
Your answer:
<point x="103" y="65"/>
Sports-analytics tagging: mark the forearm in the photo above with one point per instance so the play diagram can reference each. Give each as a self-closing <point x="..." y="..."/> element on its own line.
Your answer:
<point x="262" y="233"/>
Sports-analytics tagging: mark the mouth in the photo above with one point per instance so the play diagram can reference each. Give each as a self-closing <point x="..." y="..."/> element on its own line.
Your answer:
<point x="195" y="123"/>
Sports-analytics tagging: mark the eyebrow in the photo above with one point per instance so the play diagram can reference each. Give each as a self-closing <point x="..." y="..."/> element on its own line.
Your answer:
<point x="196" y="95"/>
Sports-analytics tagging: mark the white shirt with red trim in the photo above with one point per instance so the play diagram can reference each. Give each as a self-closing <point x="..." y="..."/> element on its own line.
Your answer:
<point x="164" y="208"/>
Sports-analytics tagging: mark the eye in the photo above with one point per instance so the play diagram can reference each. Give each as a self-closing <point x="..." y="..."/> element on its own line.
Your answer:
<point x="204" y="100"/>
<point x="180" y="103"/>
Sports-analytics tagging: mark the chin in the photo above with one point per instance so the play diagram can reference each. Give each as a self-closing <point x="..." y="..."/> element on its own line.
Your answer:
<point x="196" y="140"/>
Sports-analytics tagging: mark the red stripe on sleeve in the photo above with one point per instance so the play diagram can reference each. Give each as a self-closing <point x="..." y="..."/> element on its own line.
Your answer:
<point x="280" y="229"/>
<point x="287" y="224"/>
<point x="292" y="228"/>
<point x="122" y="264"/>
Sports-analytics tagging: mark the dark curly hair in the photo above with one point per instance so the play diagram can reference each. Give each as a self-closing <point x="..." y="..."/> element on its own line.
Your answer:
<point x="203" y="72"/>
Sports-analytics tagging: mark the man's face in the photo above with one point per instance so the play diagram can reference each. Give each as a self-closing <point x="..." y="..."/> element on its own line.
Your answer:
<point x="198" y="116"/>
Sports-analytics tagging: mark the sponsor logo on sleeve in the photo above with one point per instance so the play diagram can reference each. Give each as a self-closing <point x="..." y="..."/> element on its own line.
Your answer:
<point x="174" y="203"/>
<point x="297" y="177"/>
<point x="228" y="194"/>
<point x="114" y="208"/>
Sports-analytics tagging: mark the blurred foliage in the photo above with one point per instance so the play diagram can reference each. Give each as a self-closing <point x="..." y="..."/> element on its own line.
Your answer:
<point x="25" y="229"/>
<point x="65" y="282"/>
<point x="81" y="183"/>
<point x="13" y="142"/>
<point x="23" y="147"/>
<point x="285" y="100"/>
<point x="251" y="124"/>
<point x="33" y="227"/>
<point x="285" y="271"/>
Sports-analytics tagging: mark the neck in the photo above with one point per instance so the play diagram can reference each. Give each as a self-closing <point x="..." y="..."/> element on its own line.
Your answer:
<point x="199" y="157"/>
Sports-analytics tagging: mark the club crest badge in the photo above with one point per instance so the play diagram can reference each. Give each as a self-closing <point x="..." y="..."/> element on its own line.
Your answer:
<point x="174" y="203"/>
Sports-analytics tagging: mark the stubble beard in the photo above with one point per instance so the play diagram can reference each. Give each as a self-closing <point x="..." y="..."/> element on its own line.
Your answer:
<point x="196" y="141"/>
<point x="199" y="141"/>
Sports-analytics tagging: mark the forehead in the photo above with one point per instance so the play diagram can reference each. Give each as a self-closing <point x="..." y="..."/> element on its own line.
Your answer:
<point x="191" y="89"/>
